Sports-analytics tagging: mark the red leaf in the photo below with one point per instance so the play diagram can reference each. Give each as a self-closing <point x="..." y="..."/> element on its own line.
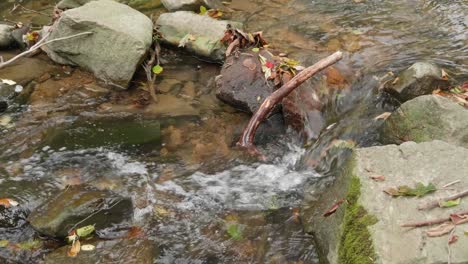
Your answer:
<point x="458" y="219"/>
<point x="333" y="209"/>
<point x="269" y="64"/>
<point x="453" y="239"/>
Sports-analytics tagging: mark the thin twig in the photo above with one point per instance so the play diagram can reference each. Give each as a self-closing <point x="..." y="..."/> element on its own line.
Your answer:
<point x="451" y="183"/>
<point x="433" y="221"/>
<point x="38" y="45"/>
<point x="28" y="10"/>
<point x="449" y="249"/>
<point x="435" y="203"/>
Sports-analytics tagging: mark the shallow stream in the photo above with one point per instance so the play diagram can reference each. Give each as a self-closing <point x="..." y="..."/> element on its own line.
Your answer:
<point x="196" y="197"/>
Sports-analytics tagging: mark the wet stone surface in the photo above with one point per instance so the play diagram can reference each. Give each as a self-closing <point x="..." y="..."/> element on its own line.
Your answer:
<point x="78" y="206"/>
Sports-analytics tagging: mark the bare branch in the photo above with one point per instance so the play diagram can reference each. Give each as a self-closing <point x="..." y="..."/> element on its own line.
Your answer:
<point x="433" y="221"/>
<point x="38" y="45"/>
<point x="270" y="102"/>
<point x="435" y="203"/>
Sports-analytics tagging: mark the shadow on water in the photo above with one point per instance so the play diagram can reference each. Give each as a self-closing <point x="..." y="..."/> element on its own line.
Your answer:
<point x="196" y="197"/>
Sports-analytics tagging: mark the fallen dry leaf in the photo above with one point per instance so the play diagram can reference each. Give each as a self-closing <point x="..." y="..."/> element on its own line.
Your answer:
<point x="377" y="177"/>
<point x="333" y="209"/>
<point x="7" y="202"/>
<point x="453" y="238"/>
<point x="88" y="247"/>
<point x="74" y="249"/>
<point x="458" y="219"/>
<point x="440" y="230"/>
<point x="383" y="116"/>
<point x="445" y="75"/>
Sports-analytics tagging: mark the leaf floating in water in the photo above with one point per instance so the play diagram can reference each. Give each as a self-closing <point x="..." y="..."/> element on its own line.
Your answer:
<point x="157" y="69"/>
<point x="419" y="190"/>
<point x="450" y="203"/>
<point x="88" y="247"/>
<point x="74" y="249"/>
<point x="85" y="231"/>
<point x="255" y="49"/>
<point x="333" y="209"/>
<point x="234" y="231"/>
<point x="4" y="243"/>
<point x="440" y="230"/>
<point x="7" y="202"/>
<point x="8" y="82"/>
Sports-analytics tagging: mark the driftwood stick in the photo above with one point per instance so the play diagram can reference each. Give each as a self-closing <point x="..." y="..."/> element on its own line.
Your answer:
<point x="248" y="134"/>
<point x="432" y="222"/>
<point x="435" y="203"/>
<point x="38" y="45"/>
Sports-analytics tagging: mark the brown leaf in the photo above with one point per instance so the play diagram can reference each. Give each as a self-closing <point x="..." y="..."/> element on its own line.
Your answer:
<point x="445" y="75"/>
<point x="377" y="177"/>
<point x="440" y="230"/>
<point x="333" y="209"/>
<point x="74" y="249"/>
<point x="7" y="202"/>
<point x="453" y="238"/>
<point x="134" y="231"/>
<point x="383" y="116"/>
<point x="458" y="219"/>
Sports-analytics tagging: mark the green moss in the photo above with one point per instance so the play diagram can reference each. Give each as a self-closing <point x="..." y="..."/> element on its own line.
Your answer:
<point x="355" y="243"/>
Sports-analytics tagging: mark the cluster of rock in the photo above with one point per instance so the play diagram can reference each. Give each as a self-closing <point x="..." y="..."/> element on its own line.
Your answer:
<point x="428" y="134"/>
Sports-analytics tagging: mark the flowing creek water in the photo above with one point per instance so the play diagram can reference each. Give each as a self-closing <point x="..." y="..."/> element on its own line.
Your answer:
<point x="196" y="198"/>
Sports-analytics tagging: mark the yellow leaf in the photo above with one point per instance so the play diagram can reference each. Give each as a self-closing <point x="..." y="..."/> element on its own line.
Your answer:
<point x="74" y="249"/>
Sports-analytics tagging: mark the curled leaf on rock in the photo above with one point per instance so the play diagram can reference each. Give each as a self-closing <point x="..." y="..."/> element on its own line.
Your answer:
<point x="74" y="249"/>
<point x="88" y="247"/>
<point x="7" y="202"/>
<point x="85" y="231"/>
<point x="203" y="10"/>
<point x="334" y="207"/>
<point x="419" y="190"/>
<point x="377" y="177"/>
<point x="440" y="230"/>
<point x="453" y="238"/>
<point x="383" y="116"/>
<point x="450" y="203"/>
<point x="458" y="219"/>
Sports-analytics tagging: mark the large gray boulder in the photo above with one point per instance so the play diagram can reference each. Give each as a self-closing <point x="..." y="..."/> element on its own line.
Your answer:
<point x="190" y="5"/>
<point x="79" y="206"/>
<point x="203" y="33"/>
<point x="419" y="79"/>
<point x="426" y="118"/>
<point x="68" y="4"/>
<point x="366" y="228"/>
<point x="120" y="40"/>
<point x="6" y="39"/>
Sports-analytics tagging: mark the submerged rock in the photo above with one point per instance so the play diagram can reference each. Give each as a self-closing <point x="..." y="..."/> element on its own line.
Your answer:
<point x="242" y="83"/>
<point x="199" y="34"/>
<point x="120" y="40"/>
<point x="366" y="228"/>
<point x="426" y="118"/>
<point x="190" y="5"/>
<point x="6" y="39"/>
<point x="92" y="134"/>
<point x="419" y="79"/>
<point x="134" y="250"/>
<point x="12" y="217"/>
<point x="79" y="206"/>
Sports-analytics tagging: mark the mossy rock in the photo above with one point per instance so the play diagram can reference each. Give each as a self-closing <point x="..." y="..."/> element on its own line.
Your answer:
<point x="427" y="118"/>
<point x="367" y="228"/>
